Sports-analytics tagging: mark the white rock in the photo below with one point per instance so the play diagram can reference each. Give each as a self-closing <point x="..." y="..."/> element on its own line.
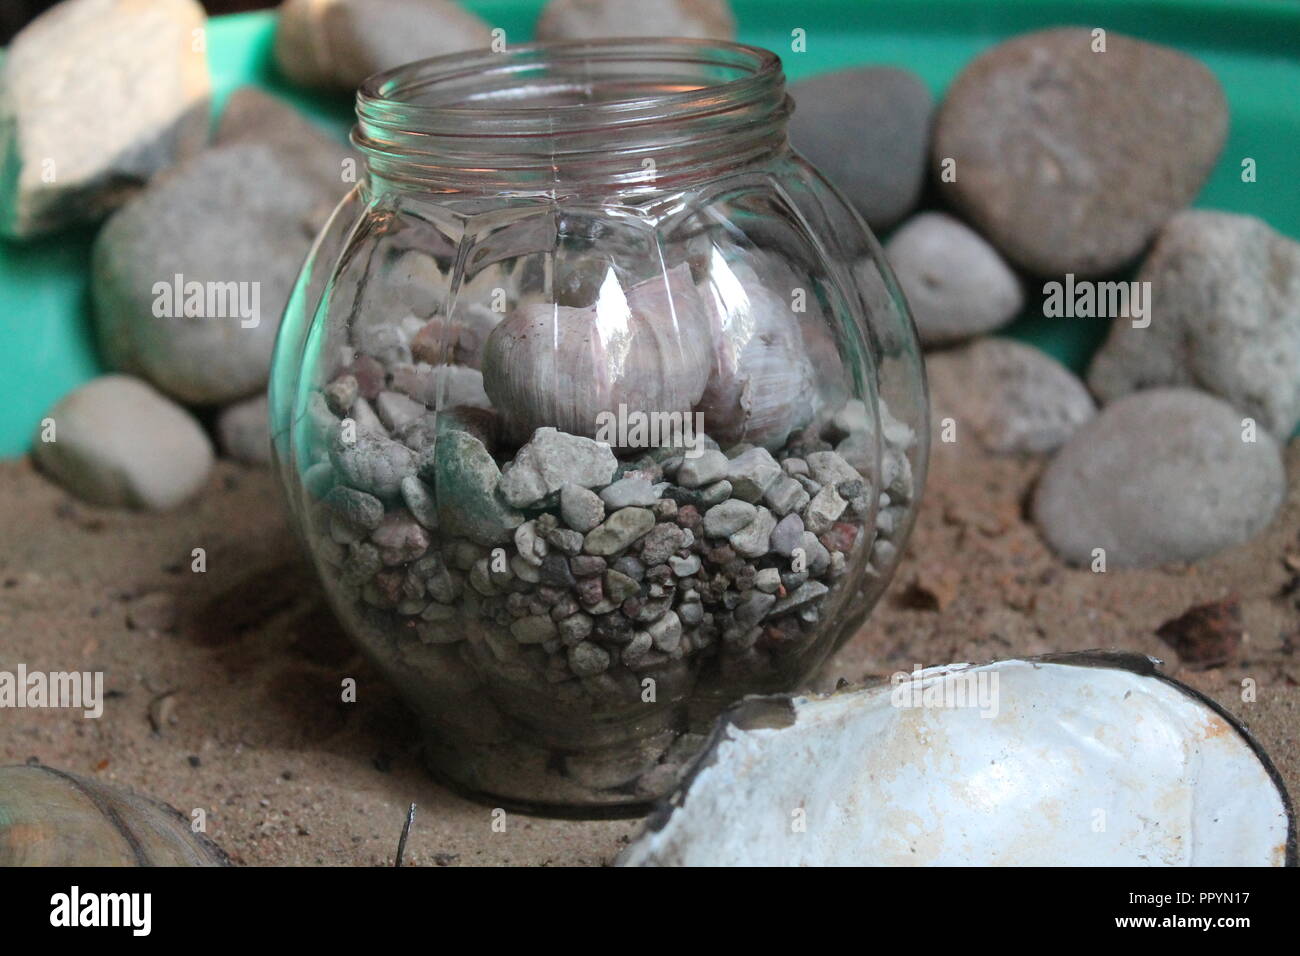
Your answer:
<point x="628" y="492"/>
<point x="244" y="431"/>
<point x="754" y="540"/>
<point x="751" y="473"/>
<point x="95" y="97"/>
<point x="117" y="442"/>
<point x="955" y="283"/>
<point x="704" y="469"/>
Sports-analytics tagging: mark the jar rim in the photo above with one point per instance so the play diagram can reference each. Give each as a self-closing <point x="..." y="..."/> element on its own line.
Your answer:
<point x="758" y="73"/>
<point x="555" y="115"/>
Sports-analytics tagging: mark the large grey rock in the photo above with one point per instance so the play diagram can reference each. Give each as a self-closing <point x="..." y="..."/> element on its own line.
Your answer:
<point x="244" y="430"/>
<point x="592" y="19"/>
<point x="1069" y="160"/>
<point x="1225" y="317"/>
<point x="251" y="115"/>
<point x="1160" y="476"/>
<point x="955" y="283"/>
<point x="95" y="97"/>
<point x="118" y="442"/>
<point x="234" y="223"/>
<point x="1009" y="397"/>
<point x="335" y="44"/>
<point x="867" y="130"/>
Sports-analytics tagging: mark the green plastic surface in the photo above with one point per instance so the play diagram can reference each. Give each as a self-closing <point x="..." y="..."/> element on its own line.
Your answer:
<point x="47" y="346"/>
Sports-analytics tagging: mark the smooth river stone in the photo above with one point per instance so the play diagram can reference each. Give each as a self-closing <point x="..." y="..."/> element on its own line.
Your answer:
<point x="1070" y="160"/>
<point x="1160" y="476"/>
<point x="867" y="130"/>
<point x="1009" y="397"/>
<point x="118" y="442"/>
<point x="955" y="283"/>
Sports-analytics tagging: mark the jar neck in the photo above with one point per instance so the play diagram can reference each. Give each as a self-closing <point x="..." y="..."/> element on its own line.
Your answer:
<point x="548" y="118"/>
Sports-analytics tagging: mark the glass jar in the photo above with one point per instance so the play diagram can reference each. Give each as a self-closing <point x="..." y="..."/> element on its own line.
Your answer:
<point x="597" y="408"/>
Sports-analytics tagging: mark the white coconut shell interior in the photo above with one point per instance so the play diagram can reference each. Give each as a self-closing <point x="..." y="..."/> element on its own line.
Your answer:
<point x="1082" y="760"/>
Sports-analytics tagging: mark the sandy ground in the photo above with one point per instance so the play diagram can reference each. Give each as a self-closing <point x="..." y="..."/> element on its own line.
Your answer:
<point x="224" y="686"/>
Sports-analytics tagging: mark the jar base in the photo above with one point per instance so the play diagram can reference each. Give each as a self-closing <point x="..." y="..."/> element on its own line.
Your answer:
<point x="611" y="783"/>
<point x="536" y="808"/>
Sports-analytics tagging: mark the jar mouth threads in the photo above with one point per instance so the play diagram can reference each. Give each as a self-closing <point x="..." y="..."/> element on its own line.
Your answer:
<point x="616" y="112"/>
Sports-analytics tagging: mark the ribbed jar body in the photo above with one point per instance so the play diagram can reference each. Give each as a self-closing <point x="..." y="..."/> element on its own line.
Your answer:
<point x="597" y="408"/>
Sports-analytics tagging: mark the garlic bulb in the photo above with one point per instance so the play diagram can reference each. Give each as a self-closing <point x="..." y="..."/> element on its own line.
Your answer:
<point x="647" y="350"/>
<point x="761" y="387"/>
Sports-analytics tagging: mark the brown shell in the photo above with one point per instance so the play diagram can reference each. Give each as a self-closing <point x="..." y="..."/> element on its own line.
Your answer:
<point x="52" y="818"/>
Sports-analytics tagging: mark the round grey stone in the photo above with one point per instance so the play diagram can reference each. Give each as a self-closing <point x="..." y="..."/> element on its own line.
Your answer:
<point x="867" y="130"/>
<point x="586" y="659"/>
<point x="787" y="535"/>
<point x="1069" y="159"/>
<point x="1009" y="397"/>
<point x="234" y="223"/>
<point x="1159" y="476"/>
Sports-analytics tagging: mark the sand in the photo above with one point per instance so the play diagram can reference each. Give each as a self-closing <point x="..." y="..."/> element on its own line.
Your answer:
<point x="224" y="685"/>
